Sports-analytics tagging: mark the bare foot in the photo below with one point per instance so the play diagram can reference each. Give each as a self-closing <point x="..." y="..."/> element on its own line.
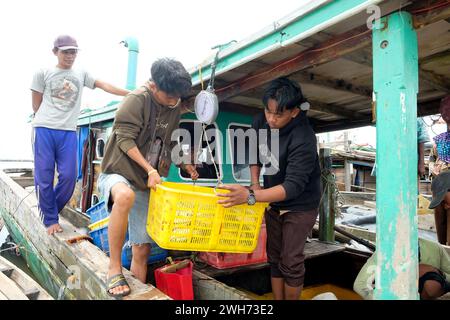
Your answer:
<point x="54" y="228"/>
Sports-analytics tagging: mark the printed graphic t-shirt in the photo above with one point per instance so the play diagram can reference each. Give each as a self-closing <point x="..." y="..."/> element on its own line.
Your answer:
<point x="61" y="99"/>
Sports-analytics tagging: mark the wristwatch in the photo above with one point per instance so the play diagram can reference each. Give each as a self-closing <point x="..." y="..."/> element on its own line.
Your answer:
<point x="251" y="200"/>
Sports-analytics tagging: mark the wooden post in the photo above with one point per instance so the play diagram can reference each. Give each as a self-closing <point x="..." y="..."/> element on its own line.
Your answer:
<point x="327" y="206"/>
<point x="395" y="78"/>
<point x="348" y="175"/>
<point x="348" y="166"/>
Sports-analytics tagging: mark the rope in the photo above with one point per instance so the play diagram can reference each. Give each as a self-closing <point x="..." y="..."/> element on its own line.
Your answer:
<point x="219" y="179"/>
<point x="336" y="196"/>
<point x="23" y="200"/>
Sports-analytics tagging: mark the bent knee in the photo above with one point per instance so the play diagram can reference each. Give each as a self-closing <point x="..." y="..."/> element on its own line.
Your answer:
<point x="431" y="290"/>
<point x="123" y="195"/>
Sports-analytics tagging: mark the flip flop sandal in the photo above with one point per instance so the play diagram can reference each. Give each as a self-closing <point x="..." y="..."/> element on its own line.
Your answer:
<point x="115" y="281"/>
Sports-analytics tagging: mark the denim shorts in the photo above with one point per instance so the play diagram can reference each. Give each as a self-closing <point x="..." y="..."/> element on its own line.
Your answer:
<point x="137" y="218"/>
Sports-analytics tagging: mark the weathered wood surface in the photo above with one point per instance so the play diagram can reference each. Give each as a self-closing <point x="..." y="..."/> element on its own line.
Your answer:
<point x="12" y="276"/>
<point x="24" y="181"/>
<point x="79" y="269"/>
<point x="207" y="288"/>
<point x="357" y="197"/>
<point x="370" y="204"/>
<point x="9" y="289"/>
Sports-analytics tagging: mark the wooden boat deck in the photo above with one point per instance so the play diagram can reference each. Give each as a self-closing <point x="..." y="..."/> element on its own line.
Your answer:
<point x="313" y="249"/>
<point x="17" y="285"/>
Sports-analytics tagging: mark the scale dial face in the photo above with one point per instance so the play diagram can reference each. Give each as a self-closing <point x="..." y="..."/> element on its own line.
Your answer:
<point x="206" y="106"/>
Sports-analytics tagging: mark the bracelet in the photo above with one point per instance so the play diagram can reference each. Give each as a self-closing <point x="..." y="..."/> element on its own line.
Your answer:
<point x="151" y="172"/>
<point x="254" y="183"/>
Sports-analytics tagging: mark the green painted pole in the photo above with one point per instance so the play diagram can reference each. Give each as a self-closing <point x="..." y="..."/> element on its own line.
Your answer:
<point x="395" y="79"/>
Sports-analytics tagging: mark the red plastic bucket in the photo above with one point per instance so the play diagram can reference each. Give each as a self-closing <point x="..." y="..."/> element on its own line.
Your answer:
<point x="175" y="280"/>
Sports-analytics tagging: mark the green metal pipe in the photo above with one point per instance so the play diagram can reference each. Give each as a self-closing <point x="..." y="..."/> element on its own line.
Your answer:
<point x="133" y="50"/>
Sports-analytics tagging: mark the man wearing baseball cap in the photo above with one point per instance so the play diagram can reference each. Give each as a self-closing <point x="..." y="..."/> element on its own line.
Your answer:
<point x="441" y="205"/>
<point x="56" y="98"/>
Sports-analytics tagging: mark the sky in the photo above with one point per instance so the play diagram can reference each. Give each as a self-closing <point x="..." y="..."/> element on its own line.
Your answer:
<point x="184" y="30"/>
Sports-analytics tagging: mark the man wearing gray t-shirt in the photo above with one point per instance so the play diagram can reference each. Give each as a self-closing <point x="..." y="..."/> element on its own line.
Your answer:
<point x="56" y="98"/>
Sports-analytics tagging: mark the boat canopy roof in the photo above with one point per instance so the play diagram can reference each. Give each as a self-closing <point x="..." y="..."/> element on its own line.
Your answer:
<point x="326" y="46"/>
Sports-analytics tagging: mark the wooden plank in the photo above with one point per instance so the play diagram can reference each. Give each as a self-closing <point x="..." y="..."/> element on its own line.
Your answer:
<point x="370" y="204"/>
<point x="437" y="81"/>
<point x="207" y="288"/>
<point x="353" y="197"/>
<point x="421" y="19"/>
<point x="78" y="219"/>
<point x="335" y="110"/>
<point x="28" y="285"/>
<point x="395" y="83"/>
<point x="24" y="181"/>
<point x="2" y="296"/>
<point x="25" y="171"/>
<point x="87" y="261"/>
<point x="348" y="175"/>
<point x="342" y="44"/>
<point x="10" y="289"/>
<point x="337" y="84"/>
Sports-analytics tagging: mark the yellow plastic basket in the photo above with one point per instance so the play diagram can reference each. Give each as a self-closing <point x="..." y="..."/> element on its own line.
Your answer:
<point x="187" y="217"/>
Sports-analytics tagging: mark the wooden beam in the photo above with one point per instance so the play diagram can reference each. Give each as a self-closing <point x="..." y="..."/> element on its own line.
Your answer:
<point x="397" y="161"/>
<point x="334" y="110"/>
<point x="337" y="84"/>
<point x="422" y="18"/>
<point x="442" y="57"/>
<point x="328" y="204"/>
<point x="9" y="289"/>
<point x="437" y="81"/>
<point x="428" y="108"/>
<point x="347" y="45"/>
<point x="325" y="52"/>
<point x="423" y="109"/>
<point x="239" y="108"/>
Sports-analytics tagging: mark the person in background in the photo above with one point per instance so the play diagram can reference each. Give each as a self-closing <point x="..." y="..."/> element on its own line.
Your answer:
<point x="56" y="98"/>
<point x="422" y="138"/>
<point x="440" y="153"/>
<point x="293" y="191"/>
<point x="137" y="155"/>
<point x="441" y="205"/>
<point x="434" y="272"/>
<point x="439" y="164"/>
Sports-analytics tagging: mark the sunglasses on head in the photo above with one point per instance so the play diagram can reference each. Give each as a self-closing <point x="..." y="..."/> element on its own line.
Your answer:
<point x="69" y="51"/>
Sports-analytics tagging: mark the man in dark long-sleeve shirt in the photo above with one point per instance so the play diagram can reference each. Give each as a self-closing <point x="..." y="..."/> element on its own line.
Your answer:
<point x="292" y="189"/>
